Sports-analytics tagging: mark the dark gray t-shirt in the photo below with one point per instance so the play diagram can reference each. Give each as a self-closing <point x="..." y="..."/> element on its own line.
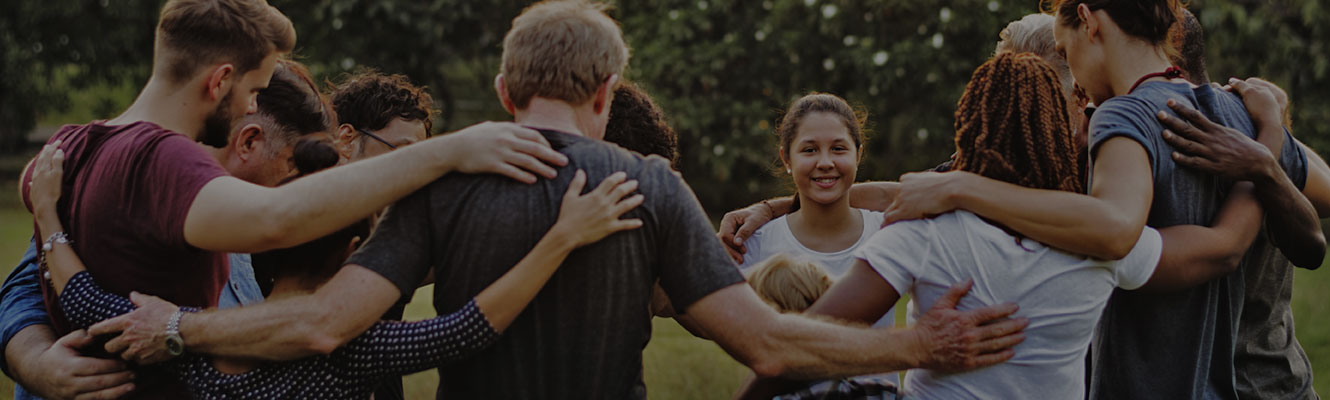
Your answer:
<point x="1176" y="345"/>
<point x="582" y="336"/>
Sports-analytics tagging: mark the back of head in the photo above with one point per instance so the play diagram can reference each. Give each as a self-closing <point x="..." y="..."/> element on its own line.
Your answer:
<point x="563" y="50"/>
<point x="1148" y="20"/>
<point x="788" y="284"/>
<point x="1011" y="125"/>
<point x="370" y="100"/>
<point x="1190" y="42"/>
<point x="1034" y="34"/>
<point x="294" y="105"/>
<point x="192" y="34"/>
<point x="318" y="260"/>
<point x="637" y="124"/>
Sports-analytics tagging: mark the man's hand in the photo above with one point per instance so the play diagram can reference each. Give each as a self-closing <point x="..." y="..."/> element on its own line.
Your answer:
<point x="923" y="195"/>
<point x="1281" y="97"/>
<point x="738" y="225"/>
<point x="60" y="372"/>
<point x="1216" y="149"/>
<point x="502" y="148"/>
<point x="142" y="332"/>
<point x="951" y="340"/>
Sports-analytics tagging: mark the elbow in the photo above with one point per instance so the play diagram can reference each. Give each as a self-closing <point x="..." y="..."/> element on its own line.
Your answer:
<point x="1314" y="255"/>
<point x="1118" y="247"/>
<point x="274" y="232"/>
<point x="768" y="366"/>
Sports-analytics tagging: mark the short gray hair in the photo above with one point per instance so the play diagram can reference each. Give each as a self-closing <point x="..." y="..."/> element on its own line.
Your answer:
<point x="1034" y="34"/>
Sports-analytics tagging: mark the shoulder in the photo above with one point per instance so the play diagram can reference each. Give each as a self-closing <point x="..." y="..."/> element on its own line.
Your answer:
<point x="872" y="219"/>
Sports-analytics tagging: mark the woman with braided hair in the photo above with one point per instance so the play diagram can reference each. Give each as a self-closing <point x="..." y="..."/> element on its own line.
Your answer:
<point x="1118" y="52"/>
<point x="1012" y="126"/>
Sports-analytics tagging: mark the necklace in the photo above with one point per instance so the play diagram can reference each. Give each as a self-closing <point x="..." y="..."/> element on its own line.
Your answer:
<point x="1170" y="73"/>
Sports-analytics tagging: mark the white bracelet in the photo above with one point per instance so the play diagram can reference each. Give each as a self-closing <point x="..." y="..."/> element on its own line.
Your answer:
<point x="58" y="237"/>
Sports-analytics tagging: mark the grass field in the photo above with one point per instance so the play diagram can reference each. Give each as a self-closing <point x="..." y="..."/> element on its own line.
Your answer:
<point x="678" y="365"/>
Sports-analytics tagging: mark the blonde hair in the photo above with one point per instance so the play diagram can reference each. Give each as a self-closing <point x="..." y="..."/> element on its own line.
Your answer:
<point x="195" y="33"/>
<point x="561" y="49"/>
<point x="787" y="283"/>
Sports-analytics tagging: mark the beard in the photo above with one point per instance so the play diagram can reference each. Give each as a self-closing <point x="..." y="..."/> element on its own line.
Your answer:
<point x="217" y="125"/>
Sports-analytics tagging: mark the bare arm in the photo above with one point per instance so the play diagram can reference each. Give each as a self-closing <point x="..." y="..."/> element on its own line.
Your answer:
<point x="738" y="225"/>
<point x="1292" y="222"/>
<point x="1318" y="182"/>
<point x="234" y="216"/>
<point x="1105" y="224"/>
<point x="797" y="347"/>
<point x="1196" y="254"/>
<point x="862" y="296"/>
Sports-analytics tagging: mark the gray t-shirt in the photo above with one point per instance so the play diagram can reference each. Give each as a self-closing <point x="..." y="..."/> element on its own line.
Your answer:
<point x="1176" y="345"/>
<point x="1270" y="361"/>
<point x="582" y="336"/>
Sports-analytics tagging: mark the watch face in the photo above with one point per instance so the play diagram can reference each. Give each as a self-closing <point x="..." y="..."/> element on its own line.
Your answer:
<point x="175" y="345"/>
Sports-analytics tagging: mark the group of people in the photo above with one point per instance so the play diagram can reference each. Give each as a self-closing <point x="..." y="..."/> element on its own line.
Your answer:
<point x="1111" y="225"/>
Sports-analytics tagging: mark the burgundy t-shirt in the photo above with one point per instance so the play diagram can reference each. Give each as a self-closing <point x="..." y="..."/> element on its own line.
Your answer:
<point x="125" y="195"/>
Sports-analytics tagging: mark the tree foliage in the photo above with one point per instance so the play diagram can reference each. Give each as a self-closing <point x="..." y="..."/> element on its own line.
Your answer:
<point x="723" y="70"/>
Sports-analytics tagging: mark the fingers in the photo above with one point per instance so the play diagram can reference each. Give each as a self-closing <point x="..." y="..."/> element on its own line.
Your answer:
<point x="1004" y="328"/>
<point x="623" y="189"/>
<point x="515" y="173"/>
<point x="107" y="394"/>
<point x="1191" y="115"/>
<point x="628" y="204"/>
<point x="575" y="187"/>
<point x="534" y="143"/>
<point x="734" y="253"/>
<point x="1183" y="144"/>
<point x="610" y="182"/>
<point x="74" y="340"/>
<point x="118" y="346"/>
<point x="991" y="313"/>
<point x="102" y="381"/>
<point x="626" y="224"/>
<point x="110" y="326"/>
<point x="529" y="162"/>
<point x="991" y="359"/>
<point x="746" y="230"/>
<point x="999" y="344"/>
<point x="954" y="295"/>
<point x="1195" y="162"/>
<point x="1240" y="86"/>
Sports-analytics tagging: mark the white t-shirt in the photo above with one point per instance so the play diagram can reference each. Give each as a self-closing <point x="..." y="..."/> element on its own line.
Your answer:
<point x="1062" y="294"/>
<point x="776" y="238"/>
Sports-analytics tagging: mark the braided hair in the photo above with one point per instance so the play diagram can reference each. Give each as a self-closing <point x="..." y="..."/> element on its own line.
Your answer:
<point x="1012" y="125"/>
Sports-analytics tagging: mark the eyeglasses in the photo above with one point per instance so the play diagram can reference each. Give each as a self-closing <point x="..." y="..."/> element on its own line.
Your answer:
<point x="376" y="138"/>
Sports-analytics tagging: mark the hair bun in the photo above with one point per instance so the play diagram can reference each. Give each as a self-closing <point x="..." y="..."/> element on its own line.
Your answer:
<point x="312" y="155"/>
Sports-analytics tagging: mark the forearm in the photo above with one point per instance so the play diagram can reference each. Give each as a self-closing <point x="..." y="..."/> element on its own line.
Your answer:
<point x="392" y="348"/>
<point x="503" y="300"/>
<point x="1291" y="220"/>
<point x="1196" y="254"/>
<point x="61" y="260"/>
<point x="294" y="327"/>
<point x="86" y="304"/>
<point x="876" y="196"/>
<point x="1070" y="221"/>
<point x="1317" y="189"/>
<point x="805" y="349"/>
<point x="24" y="349"/>
<point x="307" y="208"/>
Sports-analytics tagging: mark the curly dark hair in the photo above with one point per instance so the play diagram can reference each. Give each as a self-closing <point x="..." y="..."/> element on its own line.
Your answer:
<point x="370" y="100"/>
<point x="637" y="124"/>
<point x="1012" y="125"/>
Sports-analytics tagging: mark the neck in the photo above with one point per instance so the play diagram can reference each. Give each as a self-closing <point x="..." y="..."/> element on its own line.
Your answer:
<point x="169" y="106"/>
<point x="553" y="115"/>
<point x="1132" y="60"/>
<point x="817" y="218"/>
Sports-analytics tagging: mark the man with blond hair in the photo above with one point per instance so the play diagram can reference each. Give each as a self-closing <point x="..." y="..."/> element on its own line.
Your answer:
<point x="582" y="336"/>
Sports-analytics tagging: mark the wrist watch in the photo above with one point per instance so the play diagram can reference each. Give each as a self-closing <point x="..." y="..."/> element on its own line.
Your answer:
<point x="174" y="343"/>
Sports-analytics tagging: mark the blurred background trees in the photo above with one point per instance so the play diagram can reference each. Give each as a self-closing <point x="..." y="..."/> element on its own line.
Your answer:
<point x="722" y="69"/>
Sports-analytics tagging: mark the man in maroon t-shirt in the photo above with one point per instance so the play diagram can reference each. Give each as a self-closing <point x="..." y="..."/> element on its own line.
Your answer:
<point x="149" y="210"/>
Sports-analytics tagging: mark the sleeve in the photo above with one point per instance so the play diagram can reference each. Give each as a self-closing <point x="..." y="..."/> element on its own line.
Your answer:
<point x="398" y="249"/>
<point x="21" y="303"/>
<point x="171" y="177"/>
<point x="86" y="304"/>
<point x="1294" y="161"/>
<point x="896" y="253"/>
<point x="1122" y="117"/>
<point x="691" y="261"/>
<point x="395" y="348"/>
<point x="1134" y="270"/>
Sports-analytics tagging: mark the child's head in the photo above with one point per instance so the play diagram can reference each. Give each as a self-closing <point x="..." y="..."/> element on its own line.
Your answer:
<point x="788" y="284"/>
<point x="1011" y="125"/>
<point x="316" y="261"/>
<point x="821" y="141"/>
<point x="637" y="124"/>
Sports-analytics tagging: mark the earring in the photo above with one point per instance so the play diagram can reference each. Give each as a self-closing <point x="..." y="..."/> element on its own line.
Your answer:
<point x="787" y="170"/>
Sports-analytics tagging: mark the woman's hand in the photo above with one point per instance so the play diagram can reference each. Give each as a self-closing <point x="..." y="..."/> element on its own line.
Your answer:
<point x="44" y="190"/>
<point x="587" y="218"/>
